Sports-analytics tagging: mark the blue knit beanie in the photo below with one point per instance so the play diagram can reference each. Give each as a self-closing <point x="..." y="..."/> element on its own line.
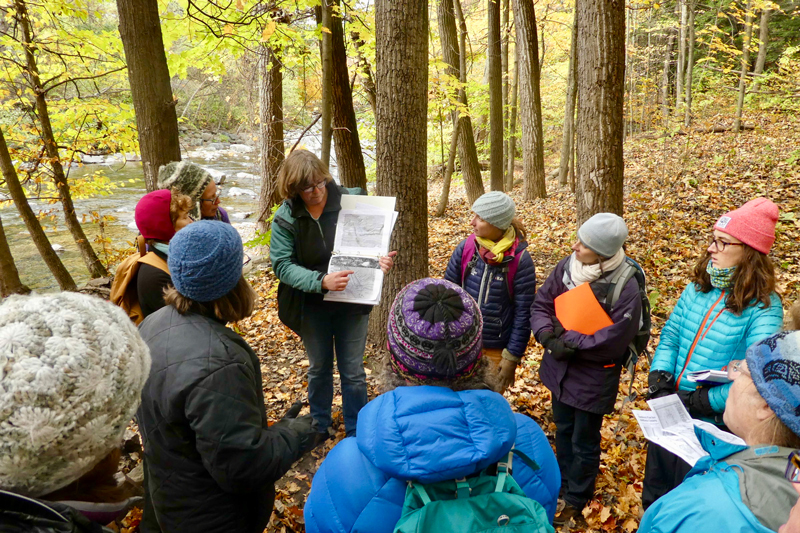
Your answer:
<point x="774" y="364"/>
<point x="205" y="260"/>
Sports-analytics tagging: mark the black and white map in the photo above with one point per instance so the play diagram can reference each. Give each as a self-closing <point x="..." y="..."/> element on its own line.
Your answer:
<point x="365" y="282"/>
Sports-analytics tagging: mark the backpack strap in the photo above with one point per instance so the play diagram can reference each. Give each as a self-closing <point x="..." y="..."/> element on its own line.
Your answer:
<point x="141" y="246"/>
<point x="467" y="254"/>
<point x="503" y="470"/>
<point x="421" y="492"/>
<point x="618" y="281"/>
<point x="463" y="490"/>
<point x="533" y="465"/>
<point x="511" y="273"/>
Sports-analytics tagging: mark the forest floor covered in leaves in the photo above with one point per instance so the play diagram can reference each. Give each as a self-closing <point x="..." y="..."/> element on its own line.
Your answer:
<point x="675" y="189"/>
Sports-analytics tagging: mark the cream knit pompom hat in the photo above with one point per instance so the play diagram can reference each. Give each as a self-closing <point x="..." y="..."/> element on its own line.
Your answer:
<point x="72" y="368"/>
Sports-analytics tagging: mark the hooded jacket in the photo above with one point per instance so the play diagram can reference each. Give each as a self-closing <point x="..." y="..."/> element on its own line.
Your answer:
<point x="725" y="336"/>
<point x="506" y="320"/>
<point x="589" y="380"/>
<point x="735" y="489"/>
<point x="424" y="434"/>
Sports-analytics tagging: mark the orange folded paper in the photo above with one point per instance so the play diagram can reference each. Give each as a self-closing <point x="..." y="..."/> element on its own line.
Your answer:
<point x="580" y="311"/>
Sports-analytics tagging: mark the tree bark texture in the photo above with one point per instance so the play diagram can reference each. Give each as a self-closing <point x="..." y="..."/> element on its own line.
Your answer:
<point x="505" y="68"/>
<point x="401" y="29"/>
<point x="763" y="45"/>
<point x="9" y="275"/>
<point x="151" y="92"/>
<point x="690" y="30"/>
<point x="512" y="129"/>
<point x="38" y="236"/>
<point x="495" y="97"/>
<point x="93" y="264"/>
<point x="327" y="83"/>
<point x="599" y="127"/>
<point x="454" y="53"/>
<point x="448" y="174"/>
<point x="364" y="71"/>
<point x="349" y="159"/>
<point x="665" y="78"/>
<point x="530" y="108"/>
<point x="681" y="72"/>
<point x="748" y="35"/>
<point x="568" y="133"/>
<point x="270" y="96"/>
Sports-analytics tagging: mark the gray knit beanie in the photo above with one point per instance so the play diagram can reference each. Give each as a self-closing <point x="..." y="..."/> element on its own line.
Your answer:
<point x="604" y="234"/>
<point x="187" y="178"/>
<point x="497" y="208"/>
<point x="72" y="368"/>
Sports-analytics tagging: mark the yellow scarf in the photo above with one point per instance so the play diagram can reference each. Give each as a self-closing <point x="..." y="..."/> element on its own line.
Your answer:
<point x="498" y="248"/>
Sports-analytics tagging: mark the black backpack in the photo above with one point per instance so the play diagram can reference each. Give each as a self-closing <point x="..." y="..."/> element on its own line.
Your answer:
<point x="638" y="346"/>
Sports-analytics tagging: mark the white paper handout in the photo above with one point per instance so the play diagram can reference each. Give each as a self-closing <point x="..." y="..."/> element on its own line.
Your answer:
<point x="709" y="376"/>
<point x="363" y="233"/>
<point x="670" y="426"/>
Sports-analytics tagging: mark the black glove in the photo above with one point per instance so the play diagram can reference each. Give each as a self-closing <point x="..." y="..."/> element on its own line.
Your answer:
<point x="661" y="384"/>
<point x="560" y="349"/>
<point x="558" y="328"/>
<point x="697" y="402"/>
<point x="304" y="426"/>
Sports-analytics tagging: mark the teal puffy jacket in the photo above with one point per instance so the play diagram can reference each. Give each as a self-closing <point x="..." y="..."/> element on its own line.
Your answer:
<point x="724" y="336"/>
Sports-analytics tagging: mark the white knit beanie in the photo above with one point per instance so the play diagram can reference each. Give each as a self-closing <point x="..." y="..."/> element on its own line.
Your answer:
<point x="72" y="368"/>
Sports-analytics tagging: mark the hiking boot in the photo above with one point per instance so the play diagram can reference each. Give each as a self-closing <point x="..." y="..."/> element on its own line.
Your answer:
<point x="568" y="513"/>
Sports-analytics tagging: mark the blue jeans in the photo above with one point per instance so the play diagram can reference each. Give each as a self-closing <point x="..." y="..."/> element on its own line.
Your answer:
<point x="322" y="331"/>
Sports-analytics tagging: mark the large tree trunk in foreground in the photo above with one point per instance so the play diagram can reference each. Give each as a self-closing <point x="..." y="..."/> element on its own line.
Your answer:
<point x="9" y="275"/>
<point x="401" y="29"/>
<point x="568" y="133"/>
<point x="38" y="236"/>
<point x="495" y="97"/>
<point x="270" y="96"/>
<point x="93" y="264"/>
<point x="349" y="159"/>
<point x="530" y="109"/>
<point x="600" y="127"/>
<point x="156" y="118"/>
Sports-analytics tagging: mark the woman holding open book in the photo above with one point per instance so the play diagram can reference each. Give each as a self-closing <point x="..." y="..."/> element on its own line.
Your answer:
<point x="303" y="232"/>
<point x="730" y="305"/>
<point x="582" y="370"/>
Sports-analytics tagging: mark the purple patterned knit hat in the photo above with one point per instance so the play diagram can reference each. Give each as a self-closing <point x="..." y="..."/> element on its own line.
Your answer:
<point x="434" y="331"/>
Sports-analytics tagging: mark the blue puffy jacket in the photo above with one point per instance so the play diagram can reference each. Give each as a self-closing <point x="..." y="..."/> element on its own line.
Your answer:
<point x="428" y="434"/>
<point x="736" y="489"/>
<point x="506" y="322"/>
<point x="724" y="338"/>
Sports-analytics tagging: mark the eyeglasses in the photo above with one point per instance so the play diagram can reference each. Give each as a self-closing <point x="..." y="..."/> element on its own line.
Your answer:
<point x="212" y="200"/>
<point x="720" y="245"/>
<point x="793" y="467"/>
<point x="320" y="185"/>
<point x="736" y="368"/>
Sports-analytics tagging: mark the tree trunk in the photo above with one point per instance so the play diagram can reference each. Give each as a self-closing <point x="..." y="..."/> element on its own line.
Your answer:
<point x="530" y="101"/>
<point x="495" y="97"/>
<point x="9" y="275"/>
<point x="270" y="96"/>
<point x="512" y="128"/>
<point x="454" y="53"/>
<point x="763" y="44"/>
<point x="448" y="174"/>
<point x="568" y="134"/>
<point x="327" y="82"/>
<point x="349" y="159"/>
<point x="401" y="30"/>
<point x="599" y="128"/>
<point x="687" y="118"/>
<point x="153" y="102"/>
<point x="748" y="29"/>
<point x="364" y="71"/>
<point x="681" y="72"/>
<point x="505" y="67"/>
<point x="38" y="236"/>
<point x="93" y="264"/>
<point x="665" y="79"/>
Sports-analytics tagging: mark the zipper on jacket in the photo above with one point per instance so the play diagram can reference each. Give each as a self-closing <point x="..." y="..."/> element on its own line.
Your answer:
<point x="484" y="290"/>
<point x="700" y="335"/>
<point x="319" y="227"/>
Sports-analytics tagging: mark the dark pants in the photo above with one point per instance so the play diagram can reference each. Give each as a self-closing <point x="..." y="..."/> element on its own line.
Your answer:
<point x="578" y="451"/>
<point x="663" y="471"/>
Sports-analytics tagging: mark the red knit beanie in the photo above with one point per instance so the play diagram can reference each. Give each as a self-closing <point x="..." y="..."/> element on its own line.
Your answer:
<point x="152" y="216"/>
<point x="753" y="224"/>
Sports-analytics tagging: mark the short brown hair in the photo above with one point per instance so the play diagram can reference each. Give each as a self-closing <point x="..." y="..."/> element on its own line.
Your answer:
<point x="753" y="280"/>
<point x="234" y="306"/>
<point x="177" y="204"/>
<point x="484" y="377"/>
<point x="300" y="170"/>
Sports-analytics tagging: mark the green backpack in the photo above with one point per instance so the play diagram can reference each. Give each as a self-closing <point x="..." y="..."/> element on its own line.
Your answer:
<point x="487" y="502"/>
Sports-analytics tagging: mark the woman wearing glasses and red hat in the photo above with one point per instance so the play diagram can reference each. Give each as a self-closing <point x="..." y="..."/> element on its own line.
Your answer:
<point x="730" y="305"/>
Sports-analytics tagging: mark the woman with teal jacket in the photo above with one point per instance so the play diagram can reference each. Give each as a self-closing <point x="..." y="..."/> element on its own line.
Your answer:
<point x="730" y="305"/>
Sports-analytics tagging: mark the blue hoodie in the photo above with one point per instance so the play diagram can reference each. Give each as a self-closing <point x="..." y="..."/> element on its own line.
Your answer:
<point x="426" y="434"/>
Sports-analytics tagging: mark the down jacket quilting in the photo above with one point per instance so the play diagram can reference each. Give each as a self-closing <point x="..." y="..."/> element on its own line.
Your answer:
<point x="427" y="434"/>
<point x="506" y="321"/>
<point x="725" y="336"/>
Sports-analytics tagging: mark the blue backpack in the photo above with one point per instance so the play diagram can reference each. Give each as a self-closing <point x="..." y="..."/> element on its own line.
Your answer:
<point x="490" y="501"/>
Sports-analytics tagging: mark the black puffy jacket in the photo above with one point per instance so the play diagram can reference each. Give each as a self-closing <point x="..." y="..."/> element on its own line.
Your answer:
<point x="210" y="457"/>
<point x="19" y="514"/>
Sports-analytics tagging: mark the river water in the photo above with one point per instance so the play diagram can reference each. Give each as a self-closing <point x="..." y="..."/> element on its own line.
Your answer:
<point x="241" y="174"/>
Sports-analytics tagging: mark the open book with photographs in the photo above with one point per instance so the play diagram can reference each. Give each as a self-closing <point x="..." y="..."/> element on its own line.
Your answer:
<point x="363" y="234"/>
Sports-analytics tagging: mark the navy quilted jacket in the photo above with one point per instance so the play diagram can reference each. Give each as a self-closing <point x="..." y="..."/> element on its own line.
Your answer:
<point x="506" y="321"/>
